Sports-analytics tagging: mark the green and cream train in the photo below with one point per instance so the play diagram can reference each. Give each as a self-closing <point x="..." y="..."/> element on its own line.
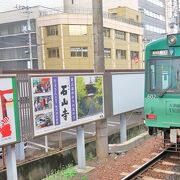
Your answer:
<point x="162" y="86"/>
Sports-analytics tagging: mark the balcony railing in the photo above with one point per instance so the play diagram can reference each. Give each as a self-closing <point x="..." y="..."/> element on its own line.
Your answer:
<point x="53" y="11"/>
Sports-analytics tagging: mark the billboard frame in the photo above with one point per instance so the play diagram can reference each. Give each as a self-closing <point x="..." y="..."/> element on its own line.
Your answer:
<point x="75" y="124"/>
<point x="15" y="109"/>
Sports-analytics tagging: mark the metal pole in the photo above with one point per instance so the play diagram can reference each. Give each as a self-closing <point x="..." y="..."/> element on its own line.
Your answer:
<point x="11" y="163"/>
<point x="46" y="144"/>
<point x="123" y="128"/>
<point x="30" y="47"/>
<point x="20" y="154"/>
<point x="81" y="147"/>
<point x="178" y="17"/>
<point x="101" y="125"/>
<point x="29" y="34"/>
<point x="60" y="141"/>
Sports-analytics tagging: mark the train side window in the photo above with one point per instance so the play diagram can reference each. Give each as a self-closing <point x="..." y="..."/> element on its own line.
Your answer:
<point x="152" y="77"/>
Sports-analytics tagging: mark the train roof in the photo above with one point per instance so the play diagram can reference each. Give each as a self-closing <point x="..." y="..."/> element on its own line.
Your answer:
<point x="156" y="42"/>
<point x="165" y="42"/>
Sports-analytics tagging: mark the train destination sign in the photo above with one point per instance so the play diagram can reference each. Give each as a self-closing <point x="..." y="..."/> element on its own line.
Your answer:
<point x="9" y="127"/>
<point x="163" y="52"/>
<point x="60" y="102"/>
<point x="160" y="52"/>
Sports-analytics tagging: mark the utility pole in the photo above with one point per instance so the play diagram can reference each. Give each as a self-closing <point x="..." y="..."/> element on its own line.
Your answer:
<point x="98" y="36"/>
<point x="29" y="35"/>
<point x="99" y="67"/>
<point x="20" y="154"/>
<point x="28" y="30"/>
<point x="178" y="17"/>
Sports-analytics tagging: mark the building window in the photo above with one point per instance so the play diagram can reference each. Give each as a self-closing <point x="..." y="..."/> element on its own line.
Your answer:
<point x="120" y="35"/>
<point x="77" y="30"/>
<point x="134" y="55"/>
<point x="120" y="54"/>
<point x="134" y="38"/>
<point x="107" y="53"/>
<point x="154" y="15"/>
<point x="157" y="2"/>
<point x="154" y="29"/>
<point x="53" y="52"/>
<point x="106" y="32"/>
<point x="79" y="52"/>
<point x="52" y="30"/>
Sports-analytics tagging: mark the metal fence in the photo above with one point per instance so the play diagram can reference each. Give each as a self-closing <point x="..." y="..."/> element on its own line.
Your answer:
<point x="23" y="95"/>
<point x="24" y="106"/>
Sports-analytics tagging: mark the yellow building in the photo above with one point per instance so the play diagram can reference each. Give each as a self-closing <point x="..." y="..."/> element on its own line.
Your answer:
<point x="67" y="41"/>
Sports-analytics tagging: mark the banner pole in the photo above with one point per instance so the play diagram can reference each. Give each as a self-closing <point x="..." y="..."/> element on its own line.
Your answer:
<point x="11" y="163"/>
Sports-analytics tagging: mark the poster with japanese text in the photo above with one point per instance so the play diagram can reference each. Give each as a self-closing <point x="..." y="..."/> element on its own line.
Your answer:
<point x="9" y="127"/>
<point x="61" y="102"/>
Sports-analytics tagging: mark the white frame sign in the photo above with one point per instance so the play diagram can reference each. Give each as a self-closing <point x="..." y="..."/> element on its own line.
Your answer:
<point x="61" y="102"/>
<point x="9" y="123"/>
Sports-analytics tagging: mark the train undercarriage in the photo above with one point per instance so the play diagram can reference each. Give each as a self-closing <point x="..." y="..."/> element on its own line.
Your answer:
<point x="170" y="136"/>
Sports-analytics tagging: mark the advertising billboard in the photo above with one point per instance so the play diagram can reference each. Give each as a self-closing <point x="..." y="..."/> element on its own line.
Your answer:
<point x="61" y="102"/>
<point x="9" y="127"/>
<point x="128" y="93"/>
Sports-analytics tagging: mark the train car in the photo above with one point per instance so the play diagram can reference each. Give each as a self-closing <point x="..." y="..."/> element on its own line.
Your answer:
<point x="162" y="87"/>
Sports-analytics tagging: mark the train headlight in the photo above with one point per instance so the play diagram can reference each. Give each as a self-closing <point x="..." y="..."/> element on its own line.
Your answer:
<point x="171" y="39"/>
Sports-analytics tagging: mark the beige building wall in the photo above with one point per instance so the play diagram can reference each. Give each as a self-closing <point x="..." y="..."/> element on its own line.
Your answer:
<point x="64" y="42"/>
<point x="107" y="4"/>
<point x="126" y="13"/>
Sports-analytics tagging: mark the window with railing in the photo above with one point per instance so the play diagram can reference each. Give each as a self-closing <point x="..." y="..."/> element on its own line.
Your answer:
<point x="79" y="51"/>
<point x="120" y="54"/>
<point x="53" y="52"/>
<point x="52" y="30"/>
<point x="106" y="32"/>
<point x="120" y="35"/>
<point x="134" y="37"/>
<point x="134" y="55"/>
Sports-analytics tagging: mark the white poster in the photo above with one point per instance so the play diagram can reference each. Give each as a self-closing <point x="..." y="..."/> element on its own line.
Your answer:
<point x="61" y="102"/>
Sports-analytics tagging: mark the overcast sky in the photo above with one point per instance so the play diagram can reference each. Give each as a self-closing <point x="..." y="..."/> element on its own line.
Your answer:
<point x="6" y="5"/>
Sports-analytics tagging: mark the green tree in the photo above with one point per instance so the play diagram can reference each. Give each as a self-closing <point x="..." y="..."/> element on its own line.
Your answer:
<point x="98" y="98"/>
<point x="81" y="93"/>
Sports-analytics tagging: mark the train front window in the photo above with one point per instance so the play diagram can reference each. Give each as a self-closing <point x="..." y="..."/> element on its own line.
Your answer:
<point x="163" y="76"/>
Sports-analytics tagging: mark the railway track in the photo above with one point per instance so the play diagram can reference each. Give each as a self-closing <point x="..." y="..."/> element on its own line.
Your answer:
<point x="165" y="165"/>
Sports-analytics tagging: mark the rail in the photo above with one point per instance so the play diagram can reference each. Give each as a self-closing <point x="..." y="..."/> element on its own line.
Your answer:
<point x="146" y="166"/>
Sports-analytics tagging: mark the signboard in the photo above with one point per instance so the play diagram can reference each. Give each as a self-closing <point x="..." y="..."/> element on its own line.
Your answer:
<point x="128" y="92"/>
<point x="60" y="102"/>
<point x="9" y="127"/>
<point x="163" y="52"/>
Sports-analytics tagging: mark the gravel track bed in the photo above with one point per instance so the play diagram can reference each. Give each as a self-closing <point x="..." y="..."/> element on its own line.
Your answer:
<point x="161" y="166"/>
<point x="113" y="167"/>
